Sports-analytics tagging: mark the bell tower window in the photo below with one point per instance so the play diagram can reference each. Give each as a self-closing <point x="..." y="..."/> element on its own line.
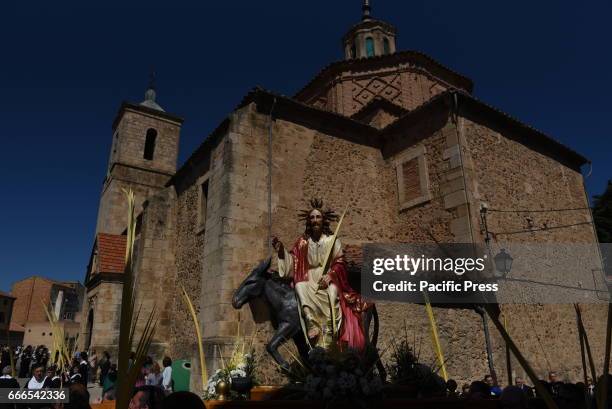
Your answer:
<point x="386" y="48"/>
<point x="149" y="149"/>
<point x="369" y="47"/>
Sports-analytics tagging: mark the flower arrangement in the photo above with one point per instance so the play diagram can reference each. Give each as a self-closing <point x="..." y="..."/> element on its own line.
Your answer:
<point x="335" y="375"/>
<point x="238" y="373"/>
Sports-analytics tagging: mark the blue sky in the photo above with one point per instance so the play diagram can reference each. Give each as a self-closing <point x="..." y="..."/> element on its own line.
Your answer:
<point x="65" y="67"/>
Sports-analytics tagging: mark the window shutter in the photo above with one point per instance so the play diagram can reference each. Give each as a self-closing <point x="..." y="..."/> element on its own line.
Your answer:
<point x="412" y="182"/>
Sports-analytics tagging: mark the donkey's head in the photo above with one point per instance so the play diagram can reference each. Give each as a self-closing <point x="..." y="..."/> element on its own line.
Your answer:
<point x="252" y="286"/>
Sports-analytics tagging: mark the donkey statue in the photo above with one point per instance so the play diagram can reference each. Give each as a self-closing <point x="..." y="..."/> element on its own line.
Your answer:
<point x="282" y="300"/>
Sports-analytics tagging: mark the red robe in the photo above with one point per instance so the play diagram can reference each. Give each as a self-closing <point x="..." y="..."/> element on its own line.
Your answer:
<point x="351" y="303"/>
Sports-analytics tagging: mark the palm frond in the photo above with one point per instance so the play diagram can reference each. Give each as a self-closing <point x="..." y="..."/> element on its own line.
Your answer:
<point x="196" y="324"/>
<point x="126" y="375"/>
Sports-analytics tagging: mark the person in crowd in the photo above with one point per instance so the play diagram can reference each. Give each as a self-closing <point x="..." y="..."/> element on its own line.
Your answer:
<point x="144" y="371"/>
<point x="5" y="356"/>
<point x="154" y="377"/>
<point x="7" y="380"/>
<point x="513" y="397"/>
<point x="43" y="356"/>
<point x="570" y="395"/>
<point x="105" y="364"/>
<point x="38" y="380"/>
<point x="527" y="390"/>
<point x="544" y="385"/>
<point x="84" y="368"/>
<point x="93" y="366"/>
<point x="590" y="387"/>
<point x="479" y="390"/>
<point x="132" y="359"/>
<point x="75" y="375"/>
<point x="465" y="390"/>
<point x="451" y="389"/>
<point x="494" y="388"/>
<point x="147" y="397"/>
<point x="108" y="389"/>
<point x="54" y="373"/>
<point x="554" y="383"/>
<point x="183" y="400"/>
<point x="167" y="376"/>
<point x="26" y="360"/>
<point x="78" y="397"/>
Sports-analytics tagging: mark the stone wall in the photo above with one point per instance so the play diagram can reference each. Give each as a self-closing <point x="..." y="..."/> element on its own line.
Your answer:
<point x="307" y="164"/>
<point x="129" y="141"/>
<point x="467" y="163"/>
<point x="112" y="213"/>
<point x="105" y="301"/>
<point x="155" y="268"/>
<point x="507" y="175"/>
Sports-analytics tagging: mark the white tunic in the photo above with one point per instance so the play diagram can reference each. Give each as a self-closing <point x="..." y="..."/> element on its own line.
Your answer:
<point x="315" y="301"/>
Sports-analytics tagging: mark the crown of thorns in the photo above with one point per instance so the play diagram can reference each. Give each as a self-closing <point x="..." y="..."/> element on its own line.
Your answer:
<point x="317" y="204"/>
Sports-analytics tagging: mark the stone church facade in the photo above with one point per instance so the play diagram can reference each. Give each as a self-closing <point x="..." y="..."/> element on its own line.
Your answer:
<point x="395" y="135"/>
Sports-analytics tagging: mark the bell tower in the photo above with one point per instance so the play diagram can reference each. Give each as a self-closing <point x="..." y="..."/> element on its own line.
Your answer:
<point x="369" y="37"/>
<point x="143" y="157"/>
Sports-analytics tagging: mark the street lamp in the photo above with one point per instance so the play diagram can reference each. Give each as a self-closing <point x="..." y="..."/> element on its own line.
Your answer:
<point x="503" y="263"/>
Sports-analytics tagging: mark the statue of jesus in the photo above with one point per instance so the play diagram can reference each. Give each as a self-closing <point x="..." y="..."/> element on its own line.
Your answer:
<point x="324" y="296"/>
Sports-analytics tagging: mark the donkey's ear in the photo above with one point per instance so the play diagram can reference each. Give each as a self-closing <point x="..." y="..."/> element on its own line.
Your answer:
<point x="264" y="265"/>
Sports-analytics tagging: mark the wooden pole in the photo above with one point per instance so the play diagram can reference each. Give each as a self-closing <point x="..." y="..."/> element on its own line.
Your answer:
<point x="508" y="356"/>
<point x="548" y="400"/>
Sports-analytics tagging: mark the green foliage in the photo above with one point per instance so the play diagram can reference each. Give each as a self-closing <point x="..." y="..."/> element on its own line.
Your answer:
<point x="405" y="369"/>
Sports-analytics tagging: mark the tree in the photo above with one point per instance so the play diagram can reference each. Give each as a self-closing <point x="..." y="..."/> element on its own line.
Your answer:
<point x="602" y="214"/>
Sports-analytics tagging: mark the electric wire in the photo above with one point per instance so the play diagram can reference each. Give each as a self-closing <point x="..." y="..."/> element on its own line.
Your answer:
<point x="569" y="209"/>
<point x="537" y="229"/>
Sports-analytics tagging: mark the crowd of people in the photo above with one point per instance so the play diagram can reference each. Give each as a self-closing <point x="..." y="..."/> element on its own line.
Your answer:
<point x="154" y="385"/>
<point x="153" y="388"/>
<point x="35" y="368"/>
<point x="565" y="394"/>
<point x="36" y="365"/>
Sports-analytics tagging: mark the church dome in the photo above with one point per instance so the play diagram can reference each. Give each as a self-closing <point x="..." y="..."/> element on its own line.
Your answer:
<point x="149" y="100"/>
<point x="369" y="37"/>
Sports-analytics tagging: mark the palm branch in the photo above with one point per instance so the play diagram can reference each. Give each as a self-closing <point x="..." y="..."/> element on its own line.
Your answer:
<point x="126" y="375"/>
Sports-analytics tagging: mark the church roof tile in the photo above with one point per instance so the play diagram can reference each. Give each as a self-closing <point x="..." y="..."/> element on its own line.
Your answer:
<point x="111" y="252"/>
<point x="434" y="67"/>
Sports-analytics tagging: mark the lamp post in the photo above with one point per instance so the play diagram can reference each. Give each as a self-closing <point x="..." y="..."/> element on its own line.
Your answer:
<point x="503" y="263"/>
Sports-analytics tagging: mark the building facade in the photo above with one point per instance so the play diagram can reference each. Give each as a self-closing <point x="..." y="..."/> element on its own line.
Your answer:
<point x="35" y="294"/>
<point x="394" y="134"/>
<point x="9" y="333"/>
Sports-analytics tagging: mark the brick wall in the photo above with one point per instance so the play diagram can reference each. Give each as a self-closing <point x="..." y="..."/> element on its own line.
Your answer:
<point x="403" y="85"/>
<point x="32" y="295"/>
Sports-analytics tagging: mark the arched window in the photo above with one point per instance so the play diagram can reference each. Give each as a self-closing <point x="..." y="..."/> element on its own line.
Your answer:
<point x="149" y="149"/>
<point x="386" y="47"/>
<point x="370" y="47"/>
<point x="353" y="51"/>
